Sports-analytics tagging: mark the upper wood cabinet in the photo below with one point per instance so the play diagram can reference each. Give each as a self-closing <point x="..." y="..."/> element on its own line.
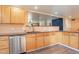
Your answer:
<point x="5" y="14"/>
<point x="0" y="14"/>
<point x="18" y="15"/>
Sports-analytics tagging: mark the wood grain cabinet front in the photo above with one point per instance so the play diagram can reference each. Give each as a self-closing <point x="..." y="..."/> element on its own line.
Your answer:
<point x="54" y="38"/>
<point x="39" y="40"/>
<point x="74" y="40"/>
<point x="66" y="38"/>
<point x="46" y="39"/>
<point x="0" y="14"/>
<point x="4" y="45"/>
<point x="5" y="14"/>
<point x="49" y="38"/>
<point x="18" y="15"/>
<point x="30" y="42"/>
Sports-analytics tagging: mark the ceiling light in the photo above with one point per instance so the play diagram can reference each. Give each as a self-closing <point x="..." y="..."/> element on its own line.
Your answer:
<point x="35" y="7"/>
<point x="16" y="9"/>
<point x="56" y="13"/>
<point x="70" y="16"/>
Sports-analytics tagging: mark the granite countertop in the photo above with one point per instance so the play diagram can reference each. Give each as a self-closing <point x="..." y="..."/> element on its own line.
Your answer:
<point x="7" y="30"/>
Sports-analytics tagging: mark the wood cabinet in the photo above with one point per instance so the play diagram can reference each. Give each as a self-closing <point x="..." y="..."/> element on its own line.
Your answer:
<point x="5" y="14"/>
<point x="39" y="40"/>
<point x="59" y="37"/>
<point x="50" y="38"/>
<point x="74" y="40"/>
<point x="53" y="38"/>
<point x="18" y="15"/>
<point x="0" y="14"/>
<point x="4" y="45"/>
<point x="66" y="37"/>
<point x="30" y="42"/>
<point x="46" y="39"/>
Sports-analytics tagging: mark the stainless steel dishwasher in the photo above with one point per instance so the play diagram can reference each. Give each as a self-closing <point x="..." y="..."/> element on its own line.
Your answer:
<point x="17" y="44"/>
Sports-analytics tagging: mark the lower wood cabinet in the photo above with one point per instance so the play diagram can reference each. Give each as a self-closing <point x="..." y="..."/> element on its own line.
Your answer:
<point x="54" y="38"/>
<point x="50" y="38"/>
<point x="74" y="40"/>
<point x="30" y="42"/>
<point x="4" y="45"/>
<point x="4" y="51"/>
<point x="59" y="37"/>
<point x="39" y="40"/>
<point x="46" y="39"/>
<point x="65" y="38"/>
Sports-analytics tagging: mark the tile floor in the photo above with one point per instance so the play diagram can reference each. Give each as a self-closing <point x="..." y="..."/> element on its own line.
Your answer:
<point x="56" y="49"/>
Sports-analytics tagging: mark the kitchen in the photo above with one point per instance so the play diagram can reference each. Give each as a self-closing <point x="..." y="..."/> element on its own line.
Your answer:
<point x="30" y="29"/>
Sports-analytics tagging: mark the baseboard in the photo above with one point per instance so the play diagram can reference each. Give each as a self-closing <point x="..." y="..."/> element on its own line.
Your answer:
<point x="69" y="47"/>
<point x="41" y="48"/>
<point x="53" y="45"/>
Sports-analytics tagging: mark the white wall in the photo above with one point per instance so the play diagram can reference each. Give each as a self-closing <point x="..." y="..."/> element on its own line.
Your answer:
<point x="67" y="24"/>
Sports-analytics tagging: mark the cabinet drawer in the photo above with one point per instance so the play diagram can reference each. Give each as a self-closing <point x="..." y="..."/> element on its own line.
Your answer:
<point x="4" y="38"/>
<point x="4" y="51"/>
<point x="30" y="36"/>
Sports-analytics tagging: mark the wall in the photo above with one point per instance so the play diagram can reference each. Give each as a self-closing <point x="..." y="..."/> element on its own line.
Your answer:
<point x="70" y="25"/>
<point x="67" y="24"/>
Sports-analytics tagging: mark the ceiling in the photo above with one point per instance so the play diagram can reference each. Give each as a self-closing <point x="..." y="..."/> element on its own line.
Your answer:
<point x="59" y="10"/>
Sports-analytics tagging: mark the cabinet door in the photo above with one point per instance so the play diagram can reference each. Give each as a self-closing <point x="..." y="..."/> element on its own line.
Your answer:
<point x="54" y="38"/>
<point x="4" y="45"/>
<point x="0" y="14"/>
<point x="74" y="40"/>
<point x="30" y="42"/>
<point x="39" y="40"/>
<point x="65" y="38"/>
<point x="46" y="39"/>
<point x="18" y="15"/>
<point x="5" y="14"/>
<point x="50" y="38"/>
